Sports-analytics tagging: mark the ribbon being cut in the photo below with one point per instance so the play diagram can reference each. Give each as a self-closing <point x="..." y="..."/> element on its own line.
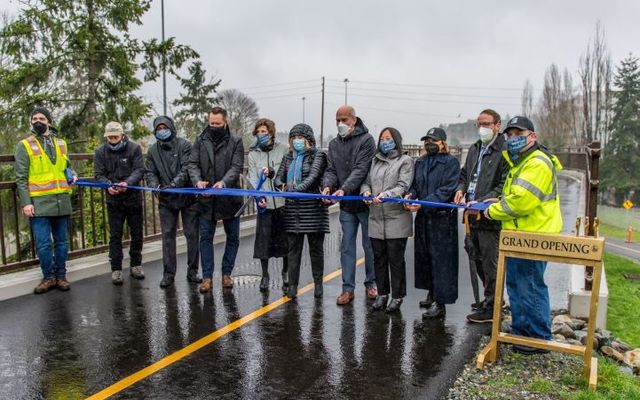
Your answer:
<point x="258" y="194"/>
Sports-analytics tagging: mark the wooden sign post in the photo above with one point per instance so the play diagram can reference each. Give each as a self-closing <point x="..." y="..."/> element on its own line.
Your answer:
<point x="562" y="249"/>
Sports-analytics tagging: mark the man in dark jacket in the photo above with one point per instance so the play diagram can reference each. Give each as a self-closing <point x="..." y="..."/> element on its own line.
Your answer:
<point x="43" y="176"/>
<point x="167" y="167"/>
<point x="350" y="155"/>
<point x="217" y="159"/>
<point x="119" y="162"/>
<point x="482" y="178"/>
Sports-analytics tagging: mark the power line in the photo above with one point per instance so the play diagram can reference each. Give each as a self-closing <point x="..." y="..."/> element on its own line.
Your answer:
<point x="286" y="95"/>
<point x="427" y="100"/>
<point x="297" y="88"/>
<point x="426" y="85"/>
<point x="398" y="111"/>
<point x="424" y="93"/>
<point x="278" y="84"/>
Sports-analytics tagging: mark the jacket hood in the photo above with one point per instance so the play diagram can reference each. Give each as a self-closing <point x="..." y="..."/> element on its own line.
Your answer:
<point x="305" y="131"/>
<point x="164" y="120"/>
<point x="358" y="129"/>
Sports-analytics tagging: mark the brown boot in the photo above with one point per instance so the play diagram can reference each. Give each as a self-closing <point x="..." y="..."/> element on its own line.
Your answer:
<point x="205" y="286"/>
<point x="45" y="285"/>
<point x="63" y="284"/>
<point x="227" y="282"/>
<point x="344" y="298"/>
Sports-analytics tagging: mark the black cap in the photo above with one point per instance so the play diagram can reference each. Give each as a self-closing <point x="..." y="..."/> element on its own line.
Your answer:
<point x="435" y="133"/>
<point x="43" y="111"/>
<point x="521" y="123"/>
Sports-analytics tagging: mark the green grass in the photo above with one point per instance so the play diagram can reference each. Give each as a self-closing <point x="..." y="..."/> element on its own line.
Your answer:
<point x="612" y="384"/>
<point x="540" y="385"/>
<point x="612" y="231"/>
<point x="624" y="299"/>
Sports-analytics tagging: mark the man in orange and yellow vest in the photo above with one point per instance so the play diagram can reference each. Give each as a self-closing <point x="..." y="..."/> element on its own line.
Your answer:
<point x="43" y="178"/>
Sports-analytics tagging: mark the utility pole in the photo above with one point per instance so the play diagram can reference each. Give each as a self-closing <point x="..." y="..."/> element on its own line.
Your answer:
<point x="345" y="90"/>
<point x="164" y="67"/>
<point x="322" y="117"/>
<point x="303" y="99"/>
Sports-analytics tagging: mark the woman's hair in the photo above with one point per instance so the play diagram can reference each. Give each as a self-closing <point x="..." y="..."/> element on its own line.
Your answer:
<point x="445" y="147"/>
<point x="395" y="134"/>
<point x="269" y="124"/>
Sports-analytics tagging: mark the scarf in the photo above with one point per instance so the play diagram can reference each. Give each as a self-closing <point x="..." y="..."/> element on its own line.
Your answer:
<point x="294" y="175"/>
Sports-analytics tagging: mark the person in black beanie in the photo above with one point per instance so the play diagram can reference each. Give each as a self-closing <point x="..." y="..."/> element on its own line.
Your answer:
<point x="166" y="166"/>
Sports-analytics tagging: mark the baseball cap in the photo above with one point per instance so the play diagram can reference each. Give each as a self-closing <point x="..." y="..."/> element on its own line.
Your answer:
<point x="113" y="128"/>
<point x="521" y="123"/>
<point x="435" y="133"/>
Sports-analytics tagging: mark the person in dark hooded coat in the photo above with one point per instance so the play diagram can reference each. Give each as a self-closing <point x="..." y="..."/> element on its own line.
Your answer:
<point x="167" y="167"/>
<point x="436" y="231"/>
<point x="302" y="170"/>
<point x="217" y="160"/>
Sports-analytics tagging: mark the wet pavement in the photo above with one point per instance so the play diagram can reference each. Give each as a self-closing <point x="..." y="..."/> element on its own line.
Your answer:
<point x="75" y="344"/>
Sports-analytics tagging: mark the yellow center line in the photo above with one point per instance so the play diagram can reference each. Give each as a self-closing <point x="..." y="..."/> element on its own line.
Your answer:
<point x="622" y="247"/>
<point x="200" y="343"/>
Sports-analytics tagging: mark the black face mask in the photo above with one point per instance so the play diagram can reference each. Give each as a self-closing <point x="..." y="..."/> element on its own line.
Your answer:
<point x="216" y="131"/>
<point x="39" y="128"/>
<point x="432" y="148"/>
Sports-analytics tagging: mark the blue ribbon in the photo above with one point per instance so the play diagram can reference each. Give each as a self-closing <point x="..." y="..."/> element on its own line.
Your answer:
<point x="480" y="206"/>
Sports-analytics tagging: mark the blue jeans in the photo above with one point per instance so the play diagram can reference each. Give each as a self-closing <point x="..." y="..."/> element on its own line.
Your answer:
<point x="350" y="222"/>
<point x="232" y="243"/>
<point x="53" y="265"/>
<point x="529" y="298"/>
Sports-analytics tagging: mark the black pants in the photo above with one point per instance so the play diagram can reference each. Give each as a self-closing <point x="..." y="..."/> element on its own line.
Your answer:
<point x="117" y="214"/>
<point x="316" y="254"/>
<point x="388" y="259"/>
<point x="482" y="248"/>
<point x="191" y="229"/>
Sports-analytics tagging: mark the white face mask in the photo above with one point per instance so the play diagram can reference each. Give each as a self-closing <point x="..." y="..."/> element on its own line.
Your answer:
<point x="343" y="129"/>
<point x="486" y="134"/>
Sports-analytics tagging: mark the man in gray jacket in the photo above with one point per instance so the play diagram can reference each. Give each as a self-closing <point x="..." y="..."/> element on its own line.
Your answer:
<point x="482" y="178"/>
<point x="167" y="167"/>
<point x="350" y="156"/>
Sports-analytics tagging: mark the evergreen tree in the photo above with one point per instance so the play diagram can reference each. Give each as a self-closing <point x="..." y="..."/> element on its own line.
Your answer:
<point x="77" y="58"/>
<point x="621" y="161"/>
<point x="197" y="100"/>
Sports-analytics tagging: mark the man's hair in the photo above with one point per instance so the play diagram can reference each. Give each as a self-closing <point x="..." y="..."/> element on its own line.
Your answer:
<point x="267" y="123"/>
<point x="219" y="110"/>
<point x="493" y="113"/>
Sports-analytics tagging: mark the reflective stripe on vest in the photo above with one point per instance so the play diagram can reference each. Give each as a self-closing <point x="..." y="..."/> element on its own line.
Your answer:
<point x="532" y="188"/>
<point x="34" y="145"/>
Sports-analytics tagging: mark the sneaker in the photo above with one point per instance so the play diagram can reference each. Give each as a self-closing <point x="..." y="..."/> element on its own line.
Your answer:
<point x="227" y="282"/>
<point x="116" y="277"/>
<point x="45" y="285"/>
<point x="63" y="284"/>
<point x="477" y="306"/>
<point x="344" y="298"/>
<point x="482" y="316"/>
<point x="136" y="272"/>
<point x="205" y="286"/>
<point x="372" y="293"/>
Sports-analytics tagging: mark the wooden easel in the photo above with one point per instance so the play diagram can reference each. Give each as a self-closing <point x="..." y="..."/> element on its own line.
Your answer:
<point x="562" y="249"/>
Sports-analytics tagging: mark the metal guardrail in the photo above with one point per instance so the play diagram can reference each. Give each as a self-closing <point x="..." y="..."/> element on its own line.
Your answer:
<point x="88" y="227"/>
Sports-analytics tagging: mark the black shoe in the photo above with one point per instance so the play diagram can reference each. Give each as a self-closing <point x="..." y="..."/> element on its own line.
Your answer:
<point x="380" y="303"/>
<point x="264" y="284"/>
<point x="394" y="306"/>
<point x="435" y="311"/>
<point x="166" y="281"/>
<point x="285" y="281"/>
<point x="428" y="302"/>
<point x="292" y="293"/>
<point x="482" y="316"/>
<point x="477" y="306"/>
<point x="528" y="351"/>
<point x="193" y="277"/>
<point x="318" y="290"/>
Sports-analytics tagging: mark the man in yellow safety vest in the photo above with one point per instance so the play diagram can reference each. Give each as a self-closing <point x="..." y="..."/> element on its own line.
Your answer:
<point x="43" y="178"/>
<point x="529" y="202"/>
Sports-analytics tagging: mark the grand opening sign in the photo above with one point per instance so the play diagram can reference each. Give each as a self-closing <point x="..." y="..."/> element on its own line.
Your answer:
<point x="580" y="248"/>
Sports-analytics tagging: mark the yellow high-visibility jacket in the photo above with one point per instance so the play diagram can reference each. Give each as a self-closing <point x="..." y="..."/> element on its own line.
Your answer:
<point x="530" y="200"/>
<point x="45" y="177"/>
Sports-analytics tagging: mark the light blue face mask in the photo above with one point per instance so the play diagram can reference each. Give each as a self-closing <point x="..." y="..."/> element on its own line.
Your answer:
<point x="163" y="134"/>
<point x="298" y="144"/>
<point x="386" y="146"/>
<point x="515" y="144"/>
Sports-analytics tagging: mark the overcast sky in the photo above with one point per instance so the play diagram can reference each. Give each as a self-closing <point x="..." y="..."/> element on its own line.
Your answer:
<point x="411" y="64"/>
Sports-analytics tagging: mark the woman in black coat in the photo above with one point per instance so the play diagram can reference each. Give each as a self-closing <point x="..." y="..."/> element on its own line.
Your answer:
<point x="302" y="170"/>
<point x="436" y="229"/>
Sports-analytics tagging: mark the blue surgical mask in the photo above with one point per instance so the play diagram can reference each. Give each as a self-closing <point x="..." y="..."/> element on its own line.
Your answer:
<point x="118" y="146"/>
<point x="515" y="144"/>
<point x="298" y="144"/>
<point x="263" y="140"/>
<point x="163" y="134"/>
<point x="386" y="146"/>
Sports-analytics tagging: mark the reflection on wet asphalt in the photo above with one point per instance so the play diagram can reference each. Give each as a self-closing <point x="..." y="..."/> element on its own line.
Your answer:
<point x="71" y="345"/>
